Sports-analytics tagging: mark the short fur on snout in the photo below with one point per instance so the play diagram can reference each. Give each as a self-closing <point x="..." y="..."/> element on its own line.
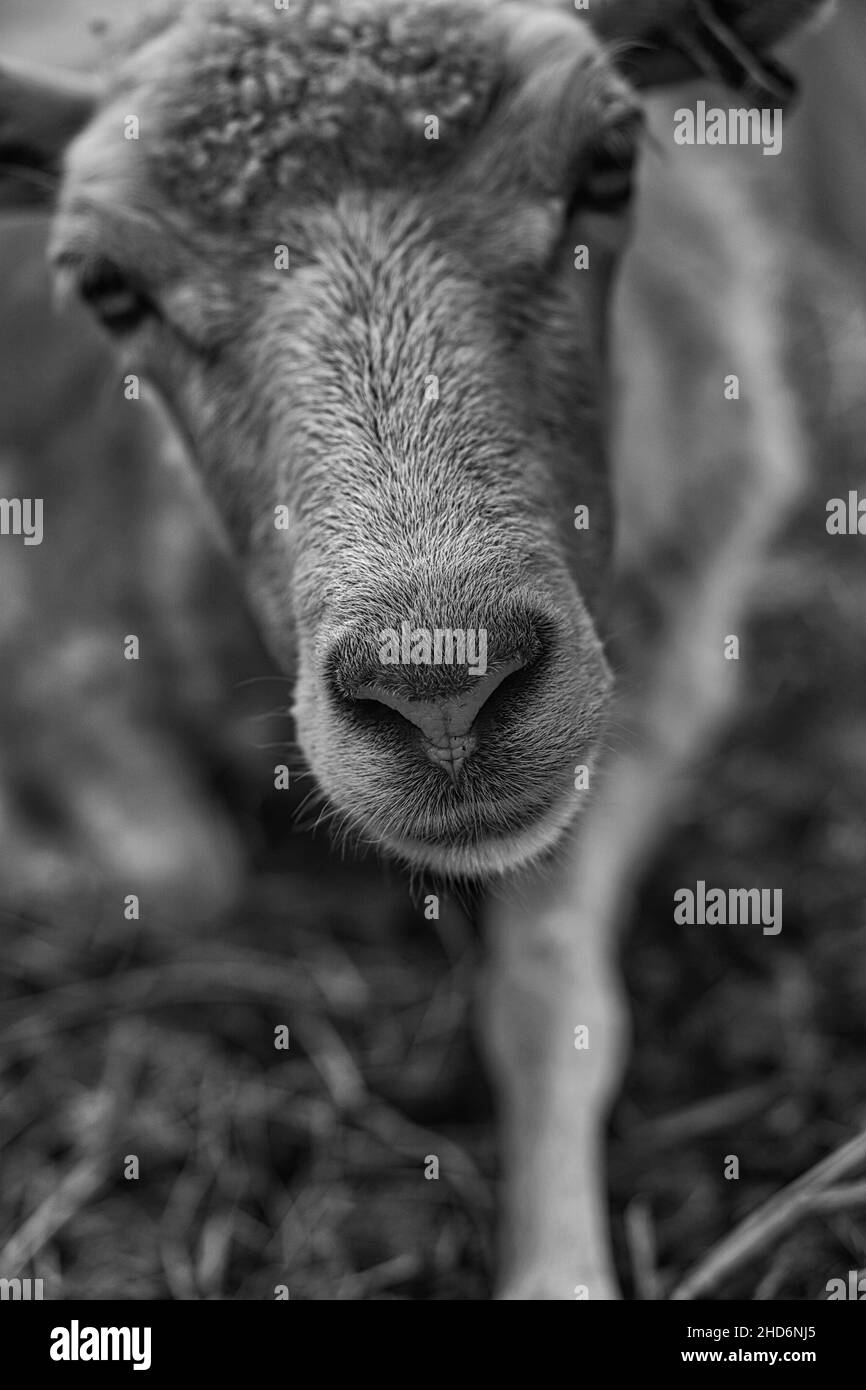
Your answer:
<point x="353" y="230"/>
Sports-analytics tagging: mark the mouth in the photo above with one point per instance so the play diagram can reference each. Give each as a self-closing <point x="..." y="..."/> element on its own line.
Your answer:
<point x="498" y="815"/>
<point x="480" y="842"/>
<point x="480" y="829"/>
<point x="489" y="851"/>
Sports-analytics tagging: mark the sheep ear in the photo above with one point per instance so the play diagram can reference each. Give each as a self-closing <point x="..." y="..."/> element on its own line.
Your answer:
<point x="663" y="41"/>
<point x="40" y="112"/>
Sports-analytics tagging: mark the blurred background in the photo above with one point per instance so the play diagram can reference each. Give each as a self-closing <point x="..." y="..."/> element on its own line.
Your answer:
<point x="154" y="1036"/>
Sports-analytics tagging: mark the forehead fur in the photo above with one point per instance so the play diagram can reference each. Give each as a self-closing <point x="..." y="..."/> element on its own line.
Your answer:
<point x="239" y="101"/>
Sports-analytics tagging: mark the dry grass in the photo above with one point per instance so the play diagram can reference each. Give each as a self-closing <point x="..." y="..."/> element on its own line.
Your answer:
<point x="257" y="1166"/>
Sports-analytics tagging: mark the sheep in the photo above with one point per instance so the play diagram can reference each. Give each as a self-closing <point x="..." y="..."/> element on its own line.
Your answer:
<point x="341" y="242"/>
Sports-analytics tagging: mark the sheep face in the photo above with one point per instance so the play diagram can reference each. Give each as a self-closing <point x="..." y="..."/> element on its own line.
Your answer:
<point x="346" y="248"/>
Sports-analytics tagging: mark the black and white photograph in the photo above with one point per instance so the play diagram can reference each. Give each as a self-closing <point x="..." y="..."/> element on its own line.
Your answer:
<point x="432" y="667"/>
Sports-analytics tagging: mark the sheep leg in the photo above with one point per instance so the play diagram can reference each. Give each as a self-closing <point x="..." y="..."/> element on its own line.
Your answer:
<point x="555" y="1035"/>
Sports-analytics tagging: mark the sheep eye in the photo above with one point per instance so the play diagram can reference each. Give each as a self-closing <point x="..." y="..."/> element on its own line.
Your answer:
<point x="609" y="186"/>
<point x="118" y="303"/>
<point x="608" y="179"/>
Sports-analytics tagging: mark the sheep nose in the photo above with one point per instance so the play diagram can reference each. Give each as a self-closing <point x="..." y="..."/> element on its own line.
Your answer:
<point x="445" y="720"/>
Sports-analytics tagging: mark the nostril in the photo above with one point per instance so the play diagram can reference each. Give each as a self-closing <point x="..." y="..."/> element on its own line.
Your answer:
<point x="442" y="716"/>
